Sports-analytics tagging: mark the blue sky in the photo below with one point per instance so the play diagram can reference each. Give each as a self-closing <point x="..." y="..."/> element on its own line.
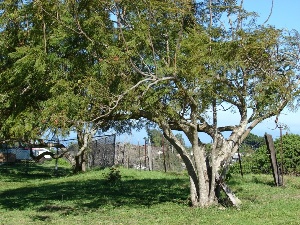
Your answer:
<point x="285" y="15"/>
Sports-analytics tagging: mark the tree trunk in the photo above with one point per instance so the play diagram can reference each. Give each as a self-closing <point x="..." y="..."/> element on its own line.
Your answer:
<point x="83" y="162"/>
<point x="201" y="192"/>
<point x="80" y="157"/>
<point x="210" y="186"/>
<point x="193" y="192"/>
<point x="204" y="168"/>
<point x="80" y="163"/>
<point x="77" y="166"/>
<point x="206" y="192"/>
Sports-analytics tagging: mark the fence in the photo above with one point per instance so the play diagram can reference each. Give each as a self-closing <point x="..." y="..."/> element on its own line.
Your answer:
<point x="100" y="153"/>
<point x="104" y="152"/>
<point x="146" y="157"/>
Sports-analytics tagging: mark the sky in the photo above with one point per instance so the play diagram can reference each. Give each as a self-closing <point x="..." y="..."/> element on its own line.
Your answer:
<point x="285" y="14"/>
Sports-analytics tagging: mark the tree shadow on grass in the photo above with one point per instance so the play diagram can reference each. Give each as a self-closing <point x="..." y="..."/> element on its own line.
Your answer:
<point x="259" y="180"/>
<point x="66" y="197"/>
<point x="20" y="172"/>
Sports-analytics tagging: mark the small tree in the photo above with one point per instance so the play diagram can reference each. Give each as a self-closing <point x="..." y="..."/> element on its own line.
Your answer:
<point x="251" y="143"/>
<point x="197" y="67"/>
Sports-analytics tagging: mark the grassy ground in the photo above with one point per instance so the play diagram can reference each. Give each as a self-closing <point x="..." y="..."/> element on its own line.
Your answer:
<point x="37" y="195"/>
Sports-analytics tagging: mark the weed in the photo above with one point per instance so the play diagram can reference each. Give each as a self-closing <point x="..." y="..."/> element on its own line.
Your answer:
<point x="113" y="176"/>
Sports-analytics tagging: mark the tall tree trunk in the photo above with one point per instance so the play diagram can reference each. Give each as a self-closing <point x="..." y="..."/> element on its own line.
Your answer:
<point x="204" y="168"/>
<point x="83" y="162"/>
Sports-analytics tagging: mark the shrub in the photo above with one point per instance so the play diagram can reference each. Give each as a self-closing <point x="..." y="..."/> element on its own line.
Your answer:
<point x="259" y="161"/>
<point x="113" y="175"/>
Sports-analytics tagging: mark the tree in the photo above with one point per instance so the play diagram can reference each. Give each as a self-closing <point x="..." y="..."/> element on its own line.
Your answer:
<point x="23" y="71"/>
<point x="251" y="143"/>
<point x="155" y="137"/>
<point x="177" y="63"/>
<point x="198" y="67"/>
<point x="259" y="161"/>
<point x="254" y="141"/>
<point x="43" y="67"/>
<point x="63" y="70"/>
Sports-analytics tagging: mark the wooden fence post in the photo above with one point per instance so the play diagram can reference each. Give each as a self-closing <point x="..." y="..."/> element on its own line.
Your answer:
<point x="273" y="159"/>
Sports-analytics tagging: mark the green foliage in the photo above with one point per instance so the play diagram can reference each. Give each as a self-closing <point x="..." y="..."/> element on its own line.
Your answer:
<point x="113" y="176"/>
<point x="252" y="141"/>
<point x="259" y="161"/>
<point x="155" y="136"/>
<point x="291" y="153"/>
<point x="55" y="57"/>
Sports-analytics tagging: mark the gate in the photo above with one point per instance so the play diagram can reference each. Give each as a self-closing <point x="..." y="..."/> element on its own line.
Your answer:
<point x="102" y="151"/>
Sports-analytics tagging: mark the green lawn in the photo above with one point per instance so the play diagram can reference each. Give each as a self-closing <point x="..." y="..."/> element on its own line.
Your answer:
<point x="36" y="195"/>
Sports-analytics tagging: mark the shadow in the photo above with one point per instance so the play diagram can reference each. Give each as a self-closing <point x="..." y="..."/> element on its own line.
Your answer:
<point x="67" y="197"/>
<point x="19" y="172"/>
<point x="257" y="180"/>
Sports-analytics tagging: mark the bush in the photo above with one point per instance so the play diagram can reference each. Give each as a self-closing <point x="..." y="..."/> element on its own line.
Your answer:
<point x="259" y="161"/>
<point x="113" y="175"/>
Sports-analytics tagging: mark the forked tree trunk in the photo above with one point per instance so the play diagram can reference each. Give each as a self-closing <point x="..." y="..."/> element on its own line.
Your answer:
<point x="204" y="169"/>
<point x="201" y="193"/>
<point x="210" y="186"/>
<point x="206" y="195"/>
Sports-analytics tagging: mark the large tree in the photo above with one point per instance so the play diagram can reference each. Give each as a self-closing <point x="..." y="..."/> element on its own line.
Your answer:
<point x="207" y="65"/>
<point x="23" y="74"/>
<point x="61" y="70"/>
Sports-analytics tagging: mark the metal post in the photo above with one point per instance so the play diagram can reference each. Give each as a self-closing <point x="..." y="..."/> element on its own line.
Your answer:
<point x="150" y="161"/>
<point x="240" y="162"/>
<point x="128" y="149"/>
<point x="164" y="155"/>
<point x="56" y="160"/>
<point x="140" y="156"/>
<point x="145" y="153"/>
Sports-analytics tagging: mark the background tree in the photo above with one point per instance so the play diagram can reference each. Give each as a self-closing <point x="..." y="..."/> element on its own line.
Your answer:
<point x="155" y="137"/>
<point x="63" y="68"/>
<point x="251" y="143"/>
<point x="259" y="161"/>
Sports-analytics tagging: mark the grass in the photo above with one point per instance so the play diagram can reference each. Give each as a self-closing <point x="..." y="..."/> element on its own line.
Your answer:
<point x="40" y="196"/>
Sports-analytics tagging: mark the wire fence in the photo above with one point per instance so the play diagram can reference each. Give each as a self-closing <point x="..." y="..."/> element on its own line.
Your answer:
<point x="103" y="151"/>
<point x="147" y="157"/>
